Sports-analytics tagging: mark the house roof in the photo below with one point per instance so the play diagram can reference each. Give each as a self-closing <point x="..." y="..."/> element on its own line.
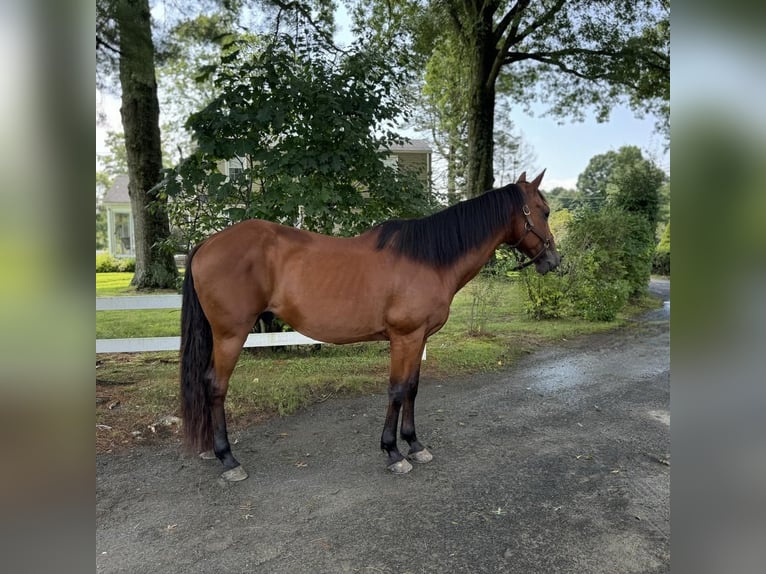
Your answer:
<point x="412" y="146"/>
<point x="118" y="191"/>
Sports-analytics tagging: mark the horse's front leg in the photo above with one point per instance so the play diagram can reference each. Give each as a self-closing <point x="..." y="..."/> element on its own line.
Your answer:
<point x="403" y="382"/>
<point x="417" y="452"/>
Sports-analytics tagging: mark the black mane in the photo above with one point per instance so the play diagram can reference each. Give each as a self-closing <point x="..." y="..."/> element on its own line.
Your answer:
<point x="442" y="238"/>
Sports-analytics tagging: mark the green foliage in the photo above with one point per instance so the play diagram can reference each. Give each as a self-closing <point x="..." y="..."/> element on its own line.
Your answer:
<point x="561" y="198"/>
<point x="661" y="263"/>
<point x="598" y="290"/>
<point x="634" y="185"/>
<point x="664" y="210"/>
<point x="310" y="132"/>
<point x="606" y="262"/>
<point x="101" y="230"/>
<point x="484" y="297"/>
<point x="546" y="297"/>
<point x="623" y="178"/>
<point x="614" y="245"/>
<point x="106" y="263"/>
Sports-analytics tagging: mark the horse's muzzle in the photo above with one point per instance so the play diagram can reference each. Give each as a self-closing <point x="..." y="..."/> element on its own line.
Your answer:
<point x="548" y="262"/>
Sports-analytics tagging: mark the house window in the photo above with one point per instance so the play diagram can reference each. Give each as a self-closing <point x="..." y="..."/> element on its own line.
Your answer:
<point x="122" y="238"/>
<point x="235" y="167"/>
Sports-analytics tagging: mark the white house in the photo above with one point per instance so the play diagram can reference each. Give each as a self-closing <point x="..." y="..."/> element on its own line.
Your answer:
<point x="119" y="219"/>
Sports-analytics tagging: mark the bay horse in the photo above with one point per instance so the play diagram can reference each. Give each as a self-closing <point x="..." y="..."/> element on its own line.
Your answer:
<point x="393" y="282"/>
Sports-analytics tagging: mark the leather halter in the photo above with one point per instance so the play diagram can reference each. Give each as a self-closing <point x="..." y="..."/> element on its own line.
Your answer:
<point x="529" y="227"/>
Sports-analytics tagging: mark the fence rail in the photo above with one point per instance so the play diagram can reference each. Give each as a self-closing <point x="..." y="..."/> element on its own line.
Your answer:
<point x="145" y="344"/>
<point x="150" y="344"/>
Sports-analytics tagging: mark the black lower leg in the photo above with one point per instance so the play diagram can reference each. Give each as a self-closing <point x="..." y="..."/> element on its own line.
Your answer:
<point x="408" y="415"/>
<point x="221" y="445"/>
<point x="388" y="438"/>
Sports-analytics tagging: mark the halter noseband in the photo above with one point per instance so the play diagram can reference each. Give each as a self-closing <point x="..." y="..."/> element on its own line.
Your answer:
<point x="529" y="227"/>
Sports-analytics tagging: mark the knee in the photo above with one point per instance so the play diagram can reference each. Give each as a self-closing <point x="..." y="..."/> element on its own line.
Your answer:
<point x="396" y="393"/>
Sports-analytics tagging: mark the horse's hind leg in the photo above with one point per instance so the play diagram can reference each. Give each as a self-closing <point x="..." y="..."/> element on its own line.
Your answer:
<point x="225" y="354"/>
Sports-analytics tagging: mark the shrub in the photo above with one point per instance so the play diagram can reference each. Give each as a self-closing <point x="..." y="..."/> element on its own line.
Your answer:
<point x="126" y="265"/>
<point x="597" y="290"/>
<point x="546" y="295"/>
<point x="484" y="300"/>
<point x="661" y="263"/>
<point x="106" y="263"/>
<point x="607" y="259"/>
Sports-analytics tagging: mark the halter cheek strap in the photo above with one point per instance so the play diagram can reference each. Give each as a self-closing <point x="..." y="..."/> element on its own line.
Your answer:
<point x="529" y="227"/>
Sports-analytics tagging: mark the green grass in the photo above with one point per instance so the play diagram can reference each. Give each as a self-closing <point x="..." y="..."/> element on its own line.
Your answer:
<point x="110" y="284"/>
<point x="114" y="284"/>
<point x="268" y="382"/>
<point x="135" y="323"/>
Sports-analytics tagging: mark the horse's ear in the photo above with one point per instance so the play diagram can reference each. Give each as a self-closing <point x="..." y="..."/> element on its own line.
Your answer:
<point x="536" y="182"/>
<point x="522" y="177"/>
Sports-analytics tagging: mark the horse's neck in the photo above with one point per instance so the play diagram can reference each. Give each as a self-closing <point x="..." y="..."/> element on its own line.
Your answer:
<point x="468" y="266"/>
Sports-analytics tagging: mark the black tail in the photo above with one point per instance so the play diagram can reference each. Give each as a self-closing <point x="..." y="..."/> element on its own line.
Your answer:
<point x="196" y="358"/>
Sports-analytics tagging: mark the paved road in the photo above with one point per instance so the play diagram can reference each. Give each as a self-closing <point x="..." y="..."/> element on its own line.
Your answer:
<point x="559" y="464"/>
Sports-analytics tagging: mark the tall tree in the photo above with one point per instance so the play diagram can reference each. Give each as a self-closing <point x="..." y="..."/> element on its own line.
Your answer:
<point x="636" y="184"/>
<point x="124" y="32"/>
<point x="625" y="179"/>
<point x="444" y="101"/>
<point x="570" y="54"/>
<point x="309" y="127"/>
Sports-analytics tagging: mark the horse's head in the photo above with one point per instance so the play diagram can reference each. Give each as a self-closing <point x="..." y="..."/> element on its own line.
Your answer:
<point x="531" y="234"/>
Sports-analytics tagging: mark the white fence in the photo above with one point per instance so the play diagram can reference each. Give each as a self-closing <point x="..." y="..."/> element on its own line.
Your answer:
<point x="144" y="344"/>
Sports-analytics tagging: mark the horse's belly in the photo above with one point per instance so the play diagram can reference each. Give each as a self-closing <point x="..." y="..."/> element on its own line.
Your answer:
<point x="337" y="322"/>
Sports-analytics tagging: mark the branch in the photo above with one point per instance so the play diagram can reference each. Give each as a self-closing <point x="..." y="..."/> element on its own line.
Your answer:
<point x="303" y="10"/>
<point x="101" y="43"/>
<point x="512" y="14"/>
<point x="513" y="37"/>
<point x="552" y="58"/>
<point x="540" y="22"/>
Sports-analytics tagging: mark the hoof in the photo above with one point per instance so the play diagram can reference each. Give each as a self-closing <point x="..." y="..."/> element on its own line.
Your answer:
<point x="207" y="455"/>
<point x="422" y="456"/>
<point x="234" y="474"/>
<point x="401" y="467"/>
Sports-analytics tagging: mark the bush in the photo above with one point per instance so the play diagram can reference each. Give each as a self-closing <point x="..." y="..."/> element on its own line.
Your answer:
<point x="106" y="263"/>
<point x="596" y="294"/>
<point x="661" y="263"/>
<point x="607" y="257"/>
<point x="546" y="295"/>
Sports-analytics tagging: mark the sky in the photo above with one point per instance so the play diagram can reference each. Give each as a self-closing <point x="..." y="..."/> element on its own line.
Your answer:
<point x="565" y="150"/>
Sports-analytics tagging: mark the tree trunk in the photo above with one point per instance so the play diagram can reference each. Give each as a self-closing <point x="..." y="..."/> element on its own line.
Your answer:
<point x="140" y="111"/>
<point x="481" y="113"/>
